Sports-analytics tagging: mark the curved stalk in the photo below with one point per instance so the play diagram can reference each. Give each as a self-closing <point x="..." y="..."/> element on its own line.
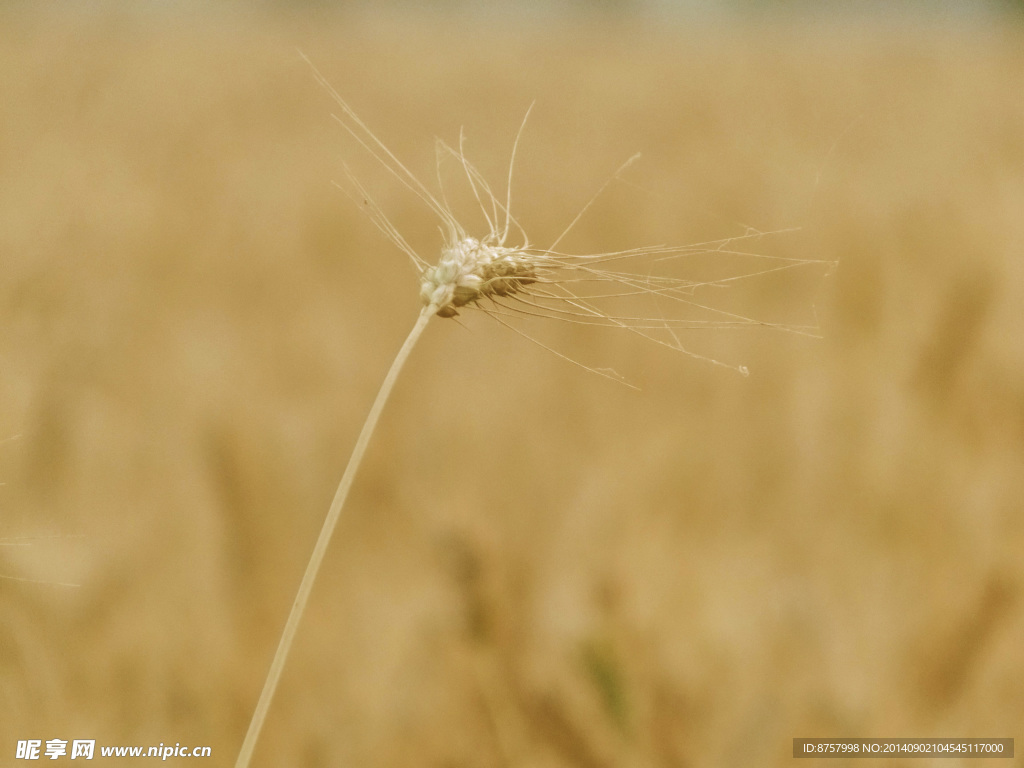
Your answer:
<point x="316" y="559"/>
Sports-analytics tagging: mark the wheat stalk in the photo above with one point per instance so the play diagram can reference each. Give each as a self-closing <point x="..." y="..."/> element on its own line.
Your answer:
<point x="507" y="282"/>
<point x="319" y="550"/>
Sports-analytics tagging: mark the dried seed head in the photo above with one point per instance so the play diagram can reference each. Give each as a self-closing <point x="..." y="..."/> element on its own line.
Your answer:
<point x="470" y="270"/>
<point x="529" y="282"/>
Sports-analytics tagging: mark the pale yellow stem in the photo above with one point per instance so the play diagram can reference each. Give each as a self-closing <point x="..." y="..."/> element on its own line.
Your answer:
<point x="316" y="559"/>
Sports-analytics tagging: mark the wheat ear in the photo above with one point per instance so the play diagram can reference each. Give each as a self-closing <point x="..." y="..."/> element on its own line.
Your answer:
<point x="317" y="558"/>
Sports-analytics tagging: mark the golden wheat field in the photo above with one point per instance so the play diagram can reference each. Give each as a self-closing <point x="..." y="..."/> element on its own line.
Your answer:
<point x="537" y="566"/>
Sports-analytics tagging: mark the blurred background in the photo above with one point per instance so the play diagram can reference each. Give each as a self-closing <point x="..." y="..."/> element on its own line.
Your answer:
<point x="537" y="566"/>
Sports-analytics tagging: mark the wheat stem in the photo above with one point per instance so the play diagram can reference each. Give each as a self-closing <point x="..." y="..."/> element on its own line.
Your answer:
<point x="316" y="559"/>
